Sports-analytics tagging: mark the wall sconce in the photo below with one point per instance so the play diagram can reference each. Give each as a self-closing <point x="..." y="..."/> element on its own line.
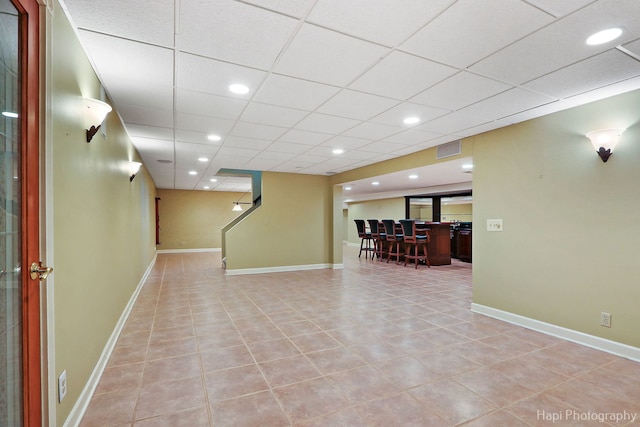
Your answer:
<point x="237" y="207"/>
<point x="94" y="114"/>
<point x="134" y="167"/>
<point x="604" y="141"/>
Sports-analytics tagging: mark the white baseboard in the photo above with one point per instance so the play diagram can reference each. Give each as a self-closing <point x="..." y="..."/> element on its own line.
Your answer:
<point x="279" y="269"/>
<point x="338" y="266"/>
<point x="81" y="405"/>
<point x="182" y="251"/>
<point x="613" y="347"/>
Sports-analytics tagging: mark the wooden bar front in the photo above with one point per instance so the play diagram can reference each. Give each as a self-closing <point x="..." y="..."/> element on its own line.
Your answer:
<point x="439" y="247"/>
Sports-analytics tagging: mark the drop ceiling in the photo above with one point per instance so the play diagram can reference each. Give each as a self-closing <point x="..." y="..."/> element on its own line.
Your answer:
<point x="329" y="74"/>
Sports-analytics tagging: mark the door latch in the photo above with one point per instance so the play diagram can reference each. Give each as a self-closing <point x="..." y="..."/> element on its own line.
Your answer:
<point x="39" y="271"/>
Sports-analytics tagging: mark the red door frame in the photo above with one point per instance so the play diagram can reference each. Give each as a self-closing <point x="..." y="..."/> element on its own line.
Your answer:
<point x="29" y="52"/>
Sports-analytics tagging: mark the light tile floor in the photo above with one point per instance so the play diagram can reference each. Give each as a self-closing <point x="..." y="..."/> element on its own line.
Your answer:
<point x="374" y="344"/>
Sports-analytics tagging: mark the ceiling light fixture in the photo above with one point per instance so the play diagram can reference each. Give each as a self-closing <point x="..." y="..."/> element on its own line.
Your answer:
<point x="413" y="176"/>
<point x="213" y="180"/>
<point x="95" y="112"/>
<point x="604" y="141"/>
<point x="604" y="36"/>
<point x="10" y="114"/>
<point x="213" y="137"/>
<point x="203" y="159"/>
<point x="411" y="120"/>
<point x="347" y="188"/>
<point x="193" y="173"/>
<point x="206" y="187"/>
<point x="338" y="151"/>
<point x="375" y="183"/>
<point x="238" y="89"/>
<point x="467" y="166"/>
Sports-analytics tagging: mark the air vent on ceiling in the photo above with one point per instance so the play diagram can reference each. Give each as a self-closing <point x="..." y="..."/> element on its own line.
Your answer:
<point x="449" y="149"/>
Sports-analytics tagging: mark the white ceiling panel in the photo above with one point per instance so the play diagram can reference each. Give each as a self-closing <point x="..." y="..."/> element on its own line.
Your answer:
<point x="210" y="76"/>
<point x="454" y="122"/>
<point x="304" y="137"/>
<point x="599" y="71"/>
<point x="400" y="76"/>
<point x="146" y="116"/>
<point x="127" y="19"/>
<point x="295" y="93"/>
<point x="261" y="164"/>
<point x="288" y="147"/>
<point x="117" y="58"/>
<point x="257" y="131"/>
<point x="551" y="48"/>
<point x="634" y="48"/>
<point x="411" y="137"/>
<point x="460" y="90"/>
<point x="296" y="8"/>
<point x="560" y="8"/>
<point x="205" y="104"/>
<point x="382" y="147"/>
<point x="250" y="143"/>
<point x="195" y="137"/>
<point x="199" y="123"/>
<point x="452" y="38"/>
<point x="273" y="115"/>
<point x="316" y="122"/>
<point x="372" y="131"/>
<point x="397" y="114"/>
<point x="131" y="92"/>
<point x="211" y="29"/>
<point x="195" y="150"/>
<point x="506" y="103"/>
<point x="154" y="132"/>
<point x="314" y="53"/>
<point x="382" y="21"/>
<point x="346" y="142"/>
<point x="356" y="105"/>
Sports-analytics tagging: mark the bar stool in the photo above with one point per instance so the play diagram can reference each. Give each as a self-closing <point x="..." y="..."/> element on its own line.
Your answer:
<point x="366" y="239"/>
<point x="394" y="240"/>
<point x="414" y="241"/>
<point x="379" y="237"/>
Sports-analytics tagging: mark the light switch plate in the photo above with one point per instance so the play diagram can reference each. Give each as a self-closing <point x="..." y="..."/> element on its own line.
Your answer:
<point x="494" y="225"/>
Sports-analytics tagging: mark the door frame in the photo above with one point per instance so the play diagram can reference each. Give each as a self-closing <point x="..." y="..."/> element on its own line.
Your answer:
<point x="29" y="52"/>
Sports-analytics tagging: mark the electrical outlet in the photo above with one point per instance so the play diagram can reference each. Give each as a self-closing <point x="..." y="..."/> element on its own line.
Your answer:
<point x="62" y="385"/>
<point x="605" y="319"/>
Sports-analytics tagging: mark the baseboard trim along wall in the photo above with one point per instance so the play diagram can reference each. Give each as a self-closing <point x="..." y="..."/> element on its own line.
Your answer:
<point x="182" y="251"/>
<point x="80" y="407"/>
<point x="613" y="347"/>
<point x="279" y="269"/>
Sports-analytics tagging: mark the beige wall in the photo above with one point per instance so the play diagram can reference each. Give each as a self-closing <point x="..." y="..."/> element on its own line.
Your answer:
<point x="458" y="212"/>
<point x="293" y="226"/>
<point x="569" y="248"/>
<point x="191" y="219"/>
<point x="103" y="228"/>
<point x="373" y="209"/>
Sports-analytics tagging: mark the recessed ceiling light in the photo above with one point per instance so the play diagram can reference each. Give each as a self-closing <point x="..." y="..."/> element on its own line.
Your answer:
<point x="411" y="120"/>
<point x="213" y="180"/>
<point x="239" y="88"/>
<point x="347" y="188"/>
<point x="10" y="114"/>
<point x="338" y="151"/>
<point x="467" y="166"/>
<point x="214" y="137"/>
<point x="206" y="187"/>
<point x="203" y="159"/>
<point x="193" y="173"/>
<point x="414" y="176"/>
<point x="604" y="36"/>
<point x="375" y="183"/>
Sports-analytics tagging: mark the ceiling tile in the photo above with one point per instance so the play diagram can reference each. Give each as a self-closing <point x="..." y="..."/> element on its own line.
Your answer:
<point x="562" y="43"/>
<point x="345" y="142"/>
<point x="560" y="8"/>
<point x="243" y="34"/>
<point x="294" y="93"/>
<point x="257" y="131"/>
<point x="115" y="58"/>
<point x="381" y="21"/>
<point x="317" y="122"/>
<point x="453" y="37"/>
<point x="199" y="123"/>
<point x="356" y="105"/>
<point x="459" y="90"/>
<point x="145" y="116"/>
<point x="396" y="115"/>
<point x="205" y="104"/>
<point x="250" y="143"/>
<point x="401" y="76"/>
<point x="296" y="8"/>
<point x="195" y="137"/>
<point x="304" y="137"/>
<point x="154" y="132"/>
<point x="272" y="115"/>
<point x="289" y="147"/>
<point x="195" y="150"/>
<point x="599" y="71"/>
<point x="131" y="92"/>
<point x="507" y="103"/>
<point x="314" y="53"/>
<point x="634" y="48"/>
<point x="382" y="147"/>
<point x="373" y="131"/>
<point x="127" y="19"/>
<point x="210" y="76"/>
<point x="412" y="137"/>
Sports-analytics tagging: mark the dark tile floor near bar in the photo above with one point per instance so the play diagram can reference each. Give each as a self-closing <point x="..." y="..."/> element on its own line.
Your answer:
<point x="374" y="344"/>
